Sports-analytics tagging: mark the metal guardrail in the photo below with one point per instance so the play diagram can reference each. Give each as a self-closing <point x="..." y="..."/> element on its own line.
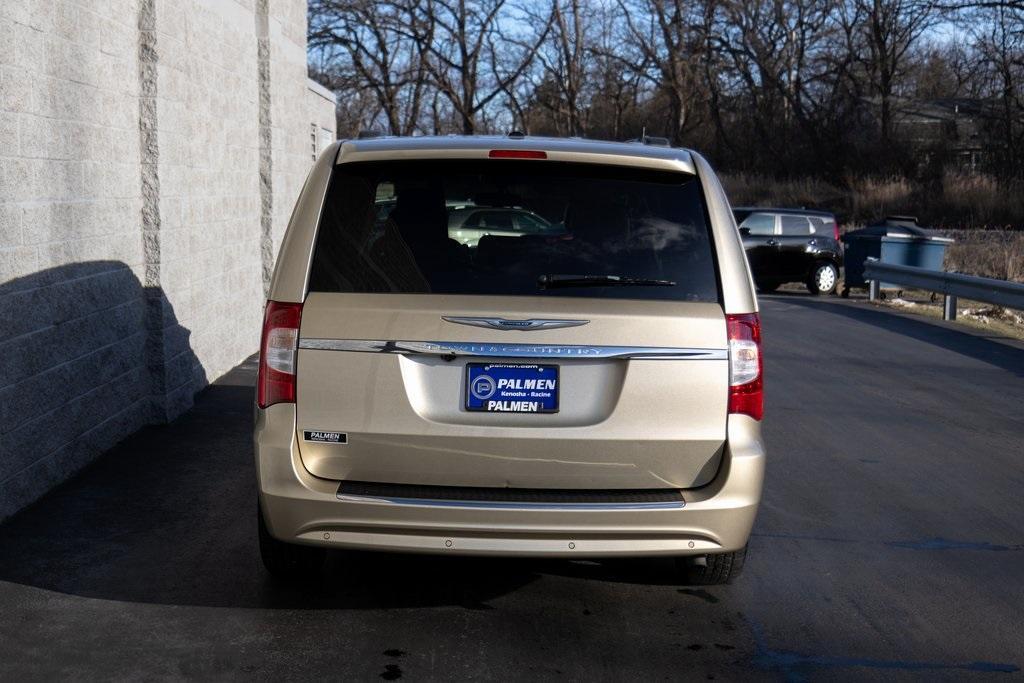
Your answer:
<point x="950" y="285"/>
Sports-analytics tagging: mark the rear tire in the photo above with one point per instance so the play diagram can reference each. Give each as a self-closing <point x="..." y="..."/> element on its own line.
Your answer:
<point x="824" y="278"/>
<point x="287" y="560"/>
<point x="719" y="568"/>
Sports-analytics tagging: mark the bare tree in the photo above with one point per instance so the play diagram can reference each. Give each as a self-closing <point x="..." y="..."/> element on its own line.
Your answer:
<point x="889" y="30"/>
<point x="957" y="5"/>
<point x="942" y="71"/>
<point x="666" y="35"/>
<point x="358" y="110"/>
<point x="999" y="41"/>
<point x="565" y="60"/>
<point x="778" y="52"/>
<point x="454" y="38"/>
<point x="620" y="70"/>
<point x="783" y="85"/>
<point x="363" y="38"/>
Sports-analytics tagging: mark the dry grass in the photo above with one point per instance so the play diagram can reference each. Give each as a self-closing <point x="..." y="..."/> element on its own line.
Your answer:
<point x="988" y="253"/>
<point x="993" y="320"/>
<point x="983" y="201"/>
<point x="871" y="198"/>
<point x="956" y="201"/>
<point x="983" y="214"/>
<point x="745" y="189"/>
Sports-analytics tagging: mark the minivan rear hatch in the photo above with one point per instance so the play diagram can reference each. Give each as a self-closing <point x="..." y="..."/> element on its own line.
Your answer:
<point x="511" y="323"/>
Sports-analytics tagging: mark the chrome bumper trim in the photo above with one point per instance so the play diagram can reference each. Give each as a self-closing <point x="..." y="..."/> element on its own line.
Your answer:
<point x="509" y="505"/>
<point x="456" y="349"/>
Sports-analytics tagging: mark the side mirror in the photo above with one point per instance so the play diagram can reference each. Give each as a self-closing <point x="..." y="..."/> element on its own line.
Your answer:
<point x="745" y="232"/>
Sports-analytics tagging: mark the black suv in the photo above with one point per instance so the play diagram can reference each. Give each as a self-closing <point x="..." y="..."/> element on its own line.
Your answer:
<point x="791" y="245"/>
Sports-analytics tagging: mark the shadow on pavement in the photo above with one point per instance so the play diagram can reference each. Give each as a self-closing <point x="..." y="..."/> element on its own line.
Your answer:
<point x="980" y="348"/>
<point x="168" y="517"/>
<point x="87" y="355"/>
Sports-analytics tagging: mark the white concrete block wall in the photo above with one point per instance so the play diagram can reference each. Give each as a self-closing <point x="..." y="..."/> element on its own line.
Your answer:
<point x="323" y="116"/>
<point x="73" y="378"/>
<point x="290" y="151"/>
<point x="207" y="122"/>
<point x="132" y="266"/>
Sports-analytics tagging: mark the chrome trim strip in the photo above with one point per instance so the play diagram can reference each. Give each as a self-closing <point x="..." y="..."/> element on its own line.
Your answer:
<point x="526" y="325"/>
<point x="497" y="350"/>
<point x="507" y="505"/>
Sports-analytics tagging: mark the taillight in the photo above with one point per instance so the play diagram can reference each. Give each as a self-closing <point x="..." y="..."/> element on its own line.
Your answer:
<point x="746" y="370"/>
<point x="278" y="347"/>
<point x="835" y="231"/>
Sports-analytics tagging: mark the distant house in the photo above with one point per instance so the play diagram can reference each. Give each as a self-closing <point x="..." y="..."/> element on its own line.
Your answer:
<point x="961" y="128"/>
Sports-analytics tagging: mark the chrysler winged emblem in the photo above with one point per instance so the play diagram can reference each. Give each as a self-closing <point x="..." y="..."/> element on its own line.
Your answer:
<point x="505" y="324"/>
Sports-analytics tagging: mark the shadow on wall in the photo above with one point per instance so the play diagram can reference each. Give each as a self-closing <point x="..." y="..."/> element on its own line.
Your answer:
<point x="87" y="357"/>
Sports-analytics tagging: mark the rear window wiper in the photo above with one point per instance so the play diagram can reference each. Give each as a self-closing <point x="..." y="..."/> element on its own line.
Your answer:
<point x="560" y="280"/>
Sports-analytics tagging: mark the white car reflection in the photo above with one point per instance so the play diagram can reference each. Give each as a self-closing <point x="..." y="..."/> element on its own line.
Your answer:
<point x="467" y="225"/>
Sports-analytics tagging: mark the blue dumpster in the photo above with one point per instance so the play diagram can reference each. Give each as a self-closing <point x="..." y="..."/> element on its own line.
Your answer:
<point x="897" y="239"/>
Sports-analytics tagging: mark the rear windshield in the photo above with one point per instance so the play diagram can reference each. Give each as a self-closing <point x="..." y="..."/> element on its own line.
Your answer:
<point x="498" y="227"/>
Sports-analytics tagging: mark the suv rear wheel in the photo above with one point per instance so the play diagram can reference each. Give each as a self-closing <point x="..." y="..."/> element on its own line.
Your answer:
<point x="712" y="569"/>
<point x="287" y="560"/>
<point x="824" y="278"/>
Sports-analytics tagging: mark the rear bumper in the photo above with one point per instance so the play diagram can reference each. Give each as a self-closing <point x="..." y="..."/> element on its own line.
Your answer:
<point x="301" y="508"/>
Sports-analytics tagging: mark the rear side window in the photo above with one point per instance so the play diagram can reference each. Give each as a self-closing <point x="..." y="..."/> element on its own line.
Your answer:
<point x="495" y="220"/>
<point x="424" y="227"/>
<point x="526" y="222"/>
<point x="793" y="226"/>
<point x="822" y="226"/>
<point x="759" y="224"/>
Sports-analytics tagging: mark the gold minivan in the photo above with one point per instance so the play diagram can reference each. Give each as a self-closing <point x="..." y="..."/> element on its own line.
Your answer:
<point x="583" y="384"/>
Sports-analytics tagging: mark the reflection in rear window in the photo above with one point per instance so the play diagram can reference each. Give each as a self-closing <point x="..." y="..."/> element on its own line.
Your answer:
<point x="497" y="227"/>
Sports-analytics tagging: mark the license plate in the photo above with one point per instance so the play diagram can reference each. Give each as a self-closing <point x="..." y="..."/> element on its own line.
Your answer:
<point x="512" y="388"/>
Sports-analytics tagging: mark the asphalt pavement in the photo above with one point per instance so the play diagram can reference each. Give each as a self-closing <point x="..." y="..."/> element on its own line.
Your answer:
<point x="890" y="545"/>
